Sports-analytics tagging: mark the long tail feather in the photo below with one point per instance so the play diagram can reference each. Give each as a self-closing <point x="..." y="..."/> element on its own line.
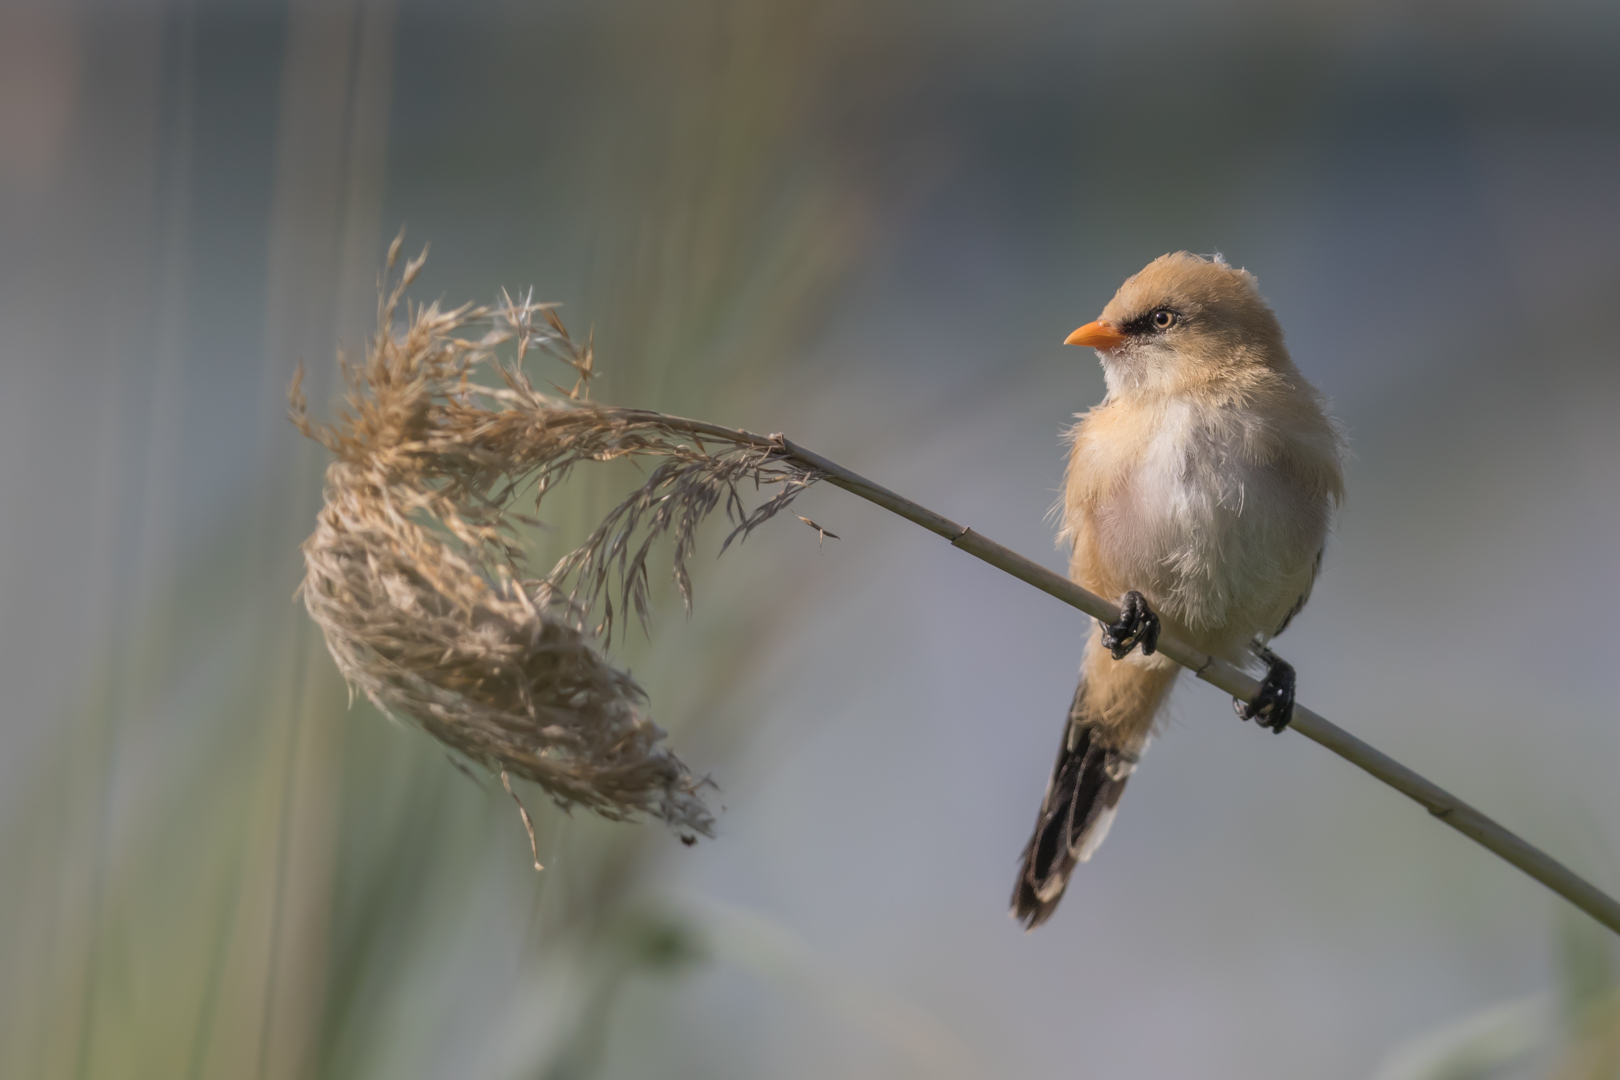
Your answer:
<point x="1081" y="798"/>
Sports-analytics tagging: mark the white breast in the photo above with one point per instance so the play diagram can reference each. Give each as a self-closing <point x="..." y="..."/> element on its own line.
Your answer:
<point x="1223" y="543"/>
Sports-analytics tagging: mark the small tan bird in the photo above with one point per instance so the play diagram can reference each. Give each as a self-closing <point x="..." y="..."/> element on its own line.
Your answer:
<point x="1199" y="492"/>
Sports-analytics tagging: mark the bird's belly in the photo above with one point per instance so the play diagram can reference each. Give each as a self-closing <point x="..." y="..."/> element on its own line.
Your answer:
<point x="1222" y="546"/>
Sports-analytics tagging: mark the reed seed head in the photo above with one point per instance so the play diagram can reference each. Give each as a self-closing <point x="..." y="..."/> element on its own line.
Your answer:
<point x="415" y="572"/>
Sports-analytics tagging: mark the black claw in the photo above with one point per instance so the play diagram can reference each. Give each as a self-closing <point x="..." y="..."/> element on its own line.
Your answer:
<point x="1137" y="625"/>
<point x="1273" y="706"/>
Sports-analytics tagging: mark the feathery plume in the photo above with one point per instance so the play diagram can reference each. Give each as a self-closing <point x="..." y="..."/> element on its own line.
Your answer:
<point x="416" y="575"/>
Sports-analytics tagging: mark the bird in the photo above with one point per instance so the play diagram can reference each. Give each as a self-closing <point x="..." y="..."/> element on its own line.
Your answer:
<point x="1200" y="491"/>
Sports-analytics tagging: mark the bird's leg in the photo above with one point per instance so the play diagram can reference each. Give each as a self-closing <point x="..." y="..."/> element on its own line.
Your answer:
<point x="1137" y="625"/>
<point x="1273" y="706"/>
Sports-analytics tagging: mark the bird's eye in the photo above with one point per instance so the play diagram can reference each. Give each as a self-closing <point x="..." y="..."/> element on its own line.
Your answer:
<point x="1163" y="320"/>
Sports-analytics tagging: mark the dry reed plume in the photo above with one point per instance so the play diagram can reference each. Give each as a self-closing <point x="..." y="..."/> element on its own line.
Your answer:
<point x="416" y="576"/>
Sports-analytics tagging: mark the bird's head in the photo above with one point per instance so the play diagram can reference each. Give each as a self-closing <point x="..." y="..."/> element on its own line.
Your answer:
<point x="1181" y="322"/>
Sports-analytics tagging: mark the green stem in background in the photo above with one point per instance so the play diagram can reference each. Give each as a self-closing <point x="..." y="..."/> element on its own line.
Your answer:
<point x="1435" y="799"/>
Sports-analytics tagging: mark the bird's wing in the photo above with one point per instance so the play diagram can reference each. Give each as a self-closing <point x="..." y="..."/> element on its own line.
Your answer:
<point x="1299" y="605"/>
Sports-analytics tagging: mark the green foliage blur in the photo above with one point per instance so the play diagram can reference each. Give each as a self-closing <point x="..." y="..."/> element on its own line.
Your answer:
<point x="220" y="868"/>
<point x="872" y="225"/>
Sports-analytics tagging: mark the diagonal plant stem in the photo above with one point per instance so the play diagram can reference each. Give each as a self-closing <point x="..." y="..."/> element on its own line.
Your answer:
<point x="1433" y="798"/>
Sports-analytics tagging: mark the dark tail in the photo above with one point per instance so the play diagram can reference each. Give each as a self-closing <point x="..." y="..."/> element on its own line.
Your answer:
<point x="1086" y="784"/>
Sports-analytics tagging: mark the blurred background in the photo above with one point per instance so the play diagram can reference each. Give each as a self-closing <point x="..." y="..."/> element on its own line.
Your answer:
<point x="869" y="225"/>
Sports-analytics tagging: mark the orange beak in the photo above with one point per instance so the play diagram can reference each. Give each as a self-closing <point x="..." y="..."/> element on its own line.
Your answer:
<point x="1096" y="335"/>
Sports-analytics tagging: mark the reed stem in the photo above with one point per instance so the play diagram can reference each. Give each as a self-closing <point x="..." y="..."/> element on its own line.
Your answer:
<point x="1433" y="798"/>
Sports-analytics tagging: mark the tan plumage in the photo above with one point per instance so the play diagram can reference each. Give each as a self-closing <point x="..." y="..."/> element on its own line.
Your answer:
<point x="1206" y="481"/>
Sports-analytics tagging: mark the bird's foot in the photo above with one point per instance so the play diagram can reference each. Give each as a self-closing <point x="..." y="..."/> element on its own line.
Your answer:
<point x="1273" y="705"/>
<point x="1137" y="625"/>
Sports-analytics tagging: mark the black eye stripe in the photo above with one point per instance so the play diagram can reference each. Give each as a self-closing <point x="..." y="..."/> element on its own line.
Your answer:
<point x="1144" y="324"/>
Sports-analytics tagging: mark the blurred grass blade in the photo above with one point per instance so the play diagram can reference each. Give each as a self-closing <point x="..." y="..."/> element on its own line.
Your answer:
<point x="1477" y="1046"/>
